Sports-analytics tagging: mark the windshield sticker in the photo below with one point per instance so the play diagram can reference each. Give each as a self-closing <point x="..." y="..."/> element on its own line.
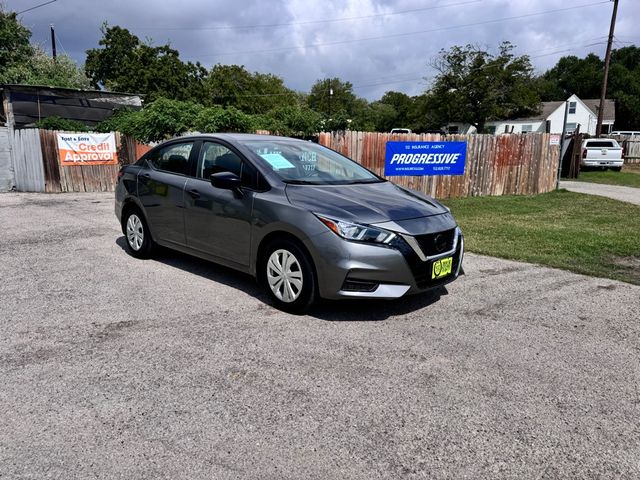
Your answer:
<point x="277" y="161"/>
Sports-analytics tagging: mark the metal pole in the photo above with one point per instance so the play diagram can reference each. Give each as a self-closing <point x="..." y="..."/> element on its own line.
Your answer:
<point x="607" y="61"/>
<point x="330" y="96"/>
<point x="53" y="43"/>
<point x="564" y="132"/>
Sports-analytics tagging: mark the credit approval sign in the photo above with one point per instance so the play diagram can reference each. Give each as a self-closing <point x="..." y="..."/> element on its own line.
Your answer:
<point x="87" y="149"/>
<point x="425" y="158"/>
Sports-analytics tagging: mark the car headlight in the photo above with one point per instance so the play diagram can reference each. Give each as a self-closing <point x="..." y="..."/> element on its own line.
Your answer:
<point x="357" y="232"/>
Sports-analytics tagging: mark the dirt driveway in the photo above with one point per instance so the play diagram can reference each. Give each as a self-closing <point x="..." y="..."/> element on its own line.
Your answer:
<point x="173" y="368"/>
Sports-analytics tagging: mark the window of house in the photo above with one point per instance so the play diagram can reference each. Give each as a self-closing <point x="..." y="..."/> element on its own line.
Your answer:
<point x="453" y="129"/>
<point x="173" y="158"/>
<point x="571" y="127"/>
<point x="527" y="128"/>
<point x="572" y="107"/>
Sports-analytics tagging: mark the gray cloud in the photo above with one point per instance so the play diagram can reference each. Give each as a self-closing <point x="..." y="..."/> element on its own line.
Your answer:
<point x="393" y="57"/>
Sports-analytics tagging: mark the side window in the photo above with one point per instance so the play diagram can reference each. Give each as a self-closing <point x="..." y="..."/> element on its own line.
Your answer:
<point x="572" y="107"/>
<point x="173" y="158"/>
<point x="215" y="158"/>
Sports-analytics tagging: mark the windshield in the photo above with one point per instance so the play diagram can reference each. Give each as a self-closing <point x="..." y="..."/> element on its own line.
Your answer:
<point x="303" y="163"/>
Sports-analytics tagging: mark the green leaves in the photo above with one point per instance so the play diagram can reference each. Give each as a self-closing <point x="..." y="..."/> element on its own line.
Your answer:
<point x="23" y="63"/>
<point x="15" y="48"/>
<point x="126" y="64"/>
<point x="474" y="85"/>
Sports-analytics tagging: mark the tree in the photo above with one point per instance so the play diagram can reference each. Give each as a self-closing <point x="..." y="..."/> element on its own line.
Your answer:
<point x="474" y="86"/>
<point x="234" y="85"/>
<point x="15" y="48"/>
<point x="573" y="75"/>
<point x="124" y="63"/>
<point x="332" y="95"/>
<point x="21" y="62"/>
<point x="583" y="77"/>
<point x="391" y="111"/>
<point x="41" y="69"/>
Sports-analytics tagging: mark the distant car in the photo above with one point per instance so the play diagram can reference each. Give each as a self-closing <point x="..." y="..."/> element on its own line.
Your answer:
<point x="602" y="152"/>
<point x="401" y="130"/>
<point x="303" y="219"/>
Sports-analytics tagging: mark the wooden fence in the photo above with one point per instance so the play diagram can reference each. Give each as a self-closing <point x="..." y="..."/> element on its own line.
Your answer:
<point x="631" y="145"/>
<point x="496" y="165"/>
<point x="37" y="166"/>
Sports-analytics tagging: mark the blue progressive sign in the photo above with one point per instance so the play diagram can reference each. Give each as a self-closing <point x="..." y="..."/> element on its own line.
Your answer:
<point x="425" y="158"/>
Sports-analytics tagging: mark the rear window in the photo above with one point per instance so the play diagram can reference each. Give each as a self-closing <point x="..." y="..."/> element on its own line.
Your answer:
<point x="601" y="144"/>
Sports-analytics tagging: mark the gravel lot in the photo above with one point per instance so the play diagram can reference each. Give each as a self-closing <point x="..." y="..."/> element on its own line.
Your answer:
<point x="117" y="368"/>
<point x="617" y="192"/>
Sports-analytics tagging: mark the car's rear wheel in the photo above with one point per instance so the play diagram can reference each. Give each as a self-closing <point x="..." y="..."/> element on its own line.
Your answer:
<point x="288" y="276"/>
<point x="136" y="232"/>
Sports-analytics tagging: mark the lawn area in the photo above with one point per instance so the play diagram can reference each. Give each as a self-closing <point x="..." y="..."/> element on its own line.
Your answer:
<point x="628" y="177"/>
<point x="582" y="233"/>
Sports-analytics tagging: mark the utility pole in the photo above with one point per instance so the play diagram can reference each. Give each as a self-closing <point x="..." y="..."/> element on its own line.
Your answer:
<point x="53" y="43"/>
<point x="564" y="133"/>
<point x="330" y="96"/>
<point x="607" y="60"/>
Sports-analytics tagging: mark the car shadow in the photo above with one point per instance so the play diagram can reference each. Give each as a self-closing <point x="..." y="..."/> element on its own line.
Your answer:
<point x="328" y="310"/>
<point x="203" y="268"/>
<point x="374" y="310"/>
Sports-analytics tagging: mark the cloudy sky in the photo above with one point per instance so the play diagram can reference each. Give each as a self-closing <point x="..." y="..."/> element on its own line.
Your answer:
<point x="378" y="45"/>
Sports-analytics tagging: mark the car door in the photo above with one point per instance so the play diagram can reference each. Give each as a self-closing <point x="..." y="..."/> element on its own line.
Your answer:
<point x="161" y="190"/>
<point x="218" y="221"/>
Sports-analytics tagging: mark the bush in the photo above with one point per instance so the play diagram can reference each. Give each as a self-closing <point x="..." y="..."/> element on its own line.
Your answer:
<point x="158" y="121"/>
<point x="218" y="119"/>
<point x="59" y="123"/>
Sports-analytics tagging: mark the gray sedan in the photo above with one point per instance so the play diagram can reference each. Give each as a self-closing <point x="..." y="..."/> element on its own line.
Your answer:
<point x="306" y="221"/>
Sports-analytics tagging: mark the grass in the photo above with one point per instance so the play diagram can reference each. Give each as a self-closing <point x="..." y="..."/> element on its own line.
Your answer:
<point x="581" y="233"/>
<point x="628" y="177"/>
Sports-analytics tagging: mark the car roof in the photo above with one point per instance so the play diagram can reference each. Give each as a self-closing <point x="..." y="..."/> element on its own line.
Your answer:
<point x="239" y="136"/>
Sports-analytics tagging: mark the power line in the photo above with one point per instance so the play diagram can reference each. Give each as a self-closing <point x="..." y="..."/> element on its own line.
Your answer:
<point x="568" y="50"/>
<point x="405" y="34"/>
<point x="37" y="6"/>
<point x="310" y="22"/>
<point x="394" y="82"/>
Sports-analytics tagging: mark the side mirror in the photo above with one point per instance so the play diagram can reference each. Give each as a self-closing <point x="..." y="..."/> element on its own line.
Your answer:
<point x="226" y="180"/>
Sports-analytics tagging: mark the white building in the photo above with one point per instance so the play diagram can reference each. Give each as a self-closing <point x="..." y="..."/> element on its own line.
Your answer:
<point x="581" y="112"/>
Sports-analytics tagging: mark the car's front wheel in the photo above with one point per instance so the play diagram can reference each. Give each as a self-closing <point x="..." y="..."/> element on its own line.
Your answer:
<point x="139" y="241"/>
<point x="288" y="276"/>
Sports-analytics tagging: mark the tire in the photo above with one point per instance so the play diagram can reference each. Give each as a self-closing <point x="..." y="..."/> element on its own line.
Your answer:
<point x="296" y="292"/>
<point x="136" y="234"/>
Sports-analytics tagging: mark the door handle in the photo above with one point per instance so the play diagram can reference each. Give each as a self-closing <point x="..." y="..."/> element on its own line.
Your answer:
<point x="194" y="193"/>
<point x="146" y="175"/>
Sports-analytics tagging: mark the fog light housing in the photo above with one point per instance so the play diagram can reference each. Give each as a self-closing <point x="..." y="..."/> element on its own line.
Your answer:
<point x="353" y="285"/>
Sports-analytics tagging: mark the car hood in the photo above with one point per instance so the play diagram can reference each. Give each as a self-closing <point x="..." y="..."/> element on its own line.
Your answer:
<point x="364" y="203"/>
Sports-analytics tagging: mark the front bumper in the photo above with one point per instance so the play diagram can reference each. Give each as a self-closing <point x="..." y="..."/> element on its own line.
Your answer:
<point x="358" y="270"/>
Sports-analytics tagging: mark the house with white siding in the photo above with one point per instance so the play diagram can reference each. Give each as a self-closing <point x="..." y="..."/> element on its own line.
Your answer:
<point x="580" y="112"/>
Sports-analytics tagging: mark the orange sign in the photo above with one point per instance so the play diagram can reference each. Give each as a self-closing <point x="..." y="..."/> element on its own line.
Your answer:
<point x="87" y="149"/>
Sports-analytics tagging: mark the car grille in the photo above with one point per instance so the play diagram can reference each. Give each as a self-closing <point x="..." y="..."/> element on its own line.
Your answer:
<point x="436" y="243"/>
<point x="422" y="270"/>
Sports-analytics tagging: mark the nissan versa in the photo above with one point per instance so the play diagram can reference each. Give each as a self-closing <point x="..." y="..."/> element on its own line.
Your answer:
<point x="306" y="221"/>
